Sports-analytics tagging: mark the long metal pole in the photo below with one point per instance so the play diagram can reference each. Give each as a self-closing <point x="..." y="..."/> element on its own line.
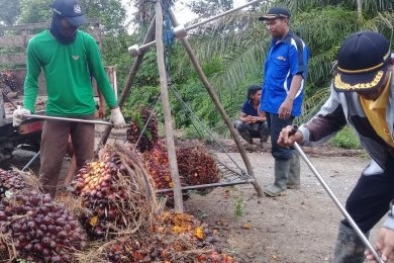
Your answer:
<point x="44" y="117"/>
<point x="151" y="44"/>
<point x="338" y="204"/>
<point x="193" y="187"/>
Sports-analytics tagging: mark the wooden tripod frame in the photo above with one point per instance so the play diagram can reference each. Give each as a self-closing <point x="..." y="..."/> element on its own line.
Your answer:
<point x="156" y="29"/>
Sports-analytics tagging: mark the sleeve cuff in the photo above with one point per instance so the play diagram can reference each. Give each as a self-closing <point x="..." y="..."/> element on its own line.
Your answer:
<point x="389" y="223"/>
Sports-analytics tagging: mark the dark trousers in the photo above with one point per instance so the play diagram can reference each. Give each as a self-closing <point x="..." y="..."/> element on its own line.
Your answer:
<point x="275" y="126"/>
<point x="369" y="201"/>
<point x="54" y="140"/>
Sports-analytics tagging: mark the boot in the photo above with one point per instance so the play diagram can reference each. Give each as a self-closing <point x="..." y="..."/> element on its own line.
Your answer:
<point x="282" y="168"/>
<point x="294" y="181"/>
<point x="349" y="247"/>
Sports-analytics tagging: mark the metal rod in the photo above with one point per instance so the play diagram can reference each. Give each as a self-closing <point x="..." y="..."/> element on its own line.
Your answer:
<point x="151" y="44"/>
<point x="222" y="14"/>
<point x="192" y="187"/>
<point x="31" y="161"/>
<point x="338" y="204"/>
<point x="44" y="117"/>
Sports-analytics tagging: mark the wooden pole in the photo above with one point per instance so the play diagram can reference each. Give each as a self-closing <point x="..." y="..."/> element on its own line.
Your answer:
<point x="219" y="106"/>
<point x="167" y="109"/>
<point x="133" y="72"/>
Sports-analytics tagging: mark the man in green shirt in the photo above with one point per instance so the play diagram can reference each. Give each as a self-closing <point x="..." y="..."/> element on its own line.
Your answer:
<point x="68" y="58"/>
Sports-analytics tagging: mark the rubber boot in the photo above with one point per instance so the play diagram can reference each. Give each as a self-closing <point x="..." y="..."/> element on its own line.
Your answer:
<point x="349" y="247"/>
<point x="282" y="168"/>
<point x="294" y="181"/>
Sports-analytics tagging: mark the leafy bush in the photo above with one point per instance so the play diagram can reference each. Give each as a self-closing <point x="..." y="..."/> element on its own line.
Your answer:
<point x="346" y="139"/>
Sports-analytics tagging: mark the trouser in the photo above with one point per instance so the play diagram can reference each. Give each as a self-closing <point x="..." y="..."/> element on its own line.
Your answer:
<point x="255" y="130"/>
<point x="369" y="200"/>
<point x="54" y="139"/>
<point x="275" y="126"/>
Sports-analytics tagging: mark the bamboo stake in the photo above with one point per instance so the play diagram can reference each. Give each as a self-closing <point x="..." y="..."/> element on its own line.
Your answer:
<point x="219" y="106"/>
<point x="133" y="72"/>
<point x="167" y="109"/>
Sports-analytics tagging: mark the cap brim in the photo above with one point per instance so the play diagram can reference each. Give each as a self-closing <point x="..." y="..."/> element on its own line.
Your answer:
<point x="77" y="21"/>
<point x="268" y="17"/>
<point x="271" y="16"/>
<point x="365" y="82"/>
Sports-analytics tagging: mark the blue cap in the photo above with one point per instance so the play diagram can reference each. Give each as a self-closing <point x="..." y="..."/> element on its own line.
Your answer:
<point x="71" y="10"/>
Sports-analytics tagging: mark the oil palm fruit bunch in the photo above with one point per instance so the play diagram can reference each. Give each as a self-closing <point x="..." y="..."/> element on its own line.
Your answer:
<point x="41" y="229"/>
<point x="94" y="183"/>
<point x="11" y="182"/>
<point x="115" y="193"/>
<point x="196" y="164"/>
<point x="157" y="165"/>
<point x="150" y="135"/>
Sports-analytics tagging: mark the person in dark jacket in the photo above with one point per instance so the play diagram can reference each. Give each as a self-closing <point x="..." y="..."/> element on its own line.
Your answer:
<point x="362" y="96"/>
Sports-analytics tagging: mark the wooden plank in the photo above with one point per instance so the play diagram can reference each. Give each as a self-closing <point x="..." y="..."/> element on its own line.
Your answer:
<point x="15" y="41"/>
<point x="167" y="110"/>
<point x="13" y="58"/>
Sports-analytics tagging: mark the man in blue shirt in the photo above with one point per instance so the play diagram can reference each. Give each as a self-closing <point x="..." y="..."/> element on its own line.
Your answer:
<point x="252" y="122"/>
<point x="282" y="94"/>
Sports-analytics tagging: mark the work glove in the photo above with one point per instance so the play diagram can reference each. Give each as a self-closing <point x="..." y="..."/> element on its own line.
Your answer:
<point x="18" y="117"/>
<point x="117" y="118"/>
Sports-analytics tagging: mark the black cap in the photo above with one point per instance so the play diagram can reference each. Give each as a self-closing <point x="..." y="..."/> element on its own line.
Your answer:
<point x="363" y="59"/>
<point x="70" y="10"/>
<point x="276" y="12"/>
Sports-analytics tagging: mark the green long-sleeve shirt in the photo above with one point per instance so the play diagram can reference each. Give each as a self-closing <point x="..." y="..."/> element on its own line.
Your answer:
<point x="67" y="70"/>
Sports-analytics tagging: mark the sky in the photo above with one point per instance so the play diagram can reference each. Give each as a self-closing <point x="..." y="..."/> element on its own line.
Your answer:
<point x="182" y="13"/>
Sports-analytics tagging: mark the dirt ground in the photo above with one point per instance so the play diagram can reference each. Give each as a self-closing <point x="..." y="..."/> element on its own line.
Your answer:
<point x="299" y="227"/>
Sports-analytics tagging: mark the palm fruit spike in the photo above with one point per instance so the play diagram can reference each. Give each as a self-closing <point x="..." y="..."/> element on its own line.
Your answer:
<point x="150" y="136"/>
<point x="41" y="229"/>
<point x="11" y="182"/>
<point x="196" y="164"/>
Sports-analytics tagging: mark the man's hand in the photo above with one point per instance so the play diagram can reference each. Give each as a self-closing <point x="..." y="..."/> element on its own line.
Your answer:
<point x="286" y="140"/>
<point x="285" y="109"/>
<point x="18" y="116"/>
<point x="117" y="118"/>
<point x="384" y="246"/>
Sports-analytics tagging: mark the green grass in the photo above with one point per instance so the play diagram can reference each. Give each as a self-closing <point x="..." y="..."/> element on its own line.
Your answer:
<point x="346" y="139"/>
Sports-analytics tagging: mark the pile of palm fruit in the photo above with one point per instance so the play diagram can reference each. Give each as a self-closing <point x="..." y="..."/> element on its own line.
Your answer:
<point x="174" y="237"/>
<point x="111" y="215"/>
<point x="196" y="165"/>
<point x="11" y="182"/>
<point x="38" y="229"/>
<point x="113" y="189"/>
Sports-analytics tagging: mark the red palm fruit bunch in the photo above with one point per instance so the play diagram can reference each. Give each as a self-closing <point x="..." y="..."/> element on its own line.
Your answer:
<point x="196" y="164"/>
<point x="157" y="165"/>
<point x="115" y="193"/>
<point x="143" y="116"/>
<point x="41" y="230"/>
<point x="11" y="182"/>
